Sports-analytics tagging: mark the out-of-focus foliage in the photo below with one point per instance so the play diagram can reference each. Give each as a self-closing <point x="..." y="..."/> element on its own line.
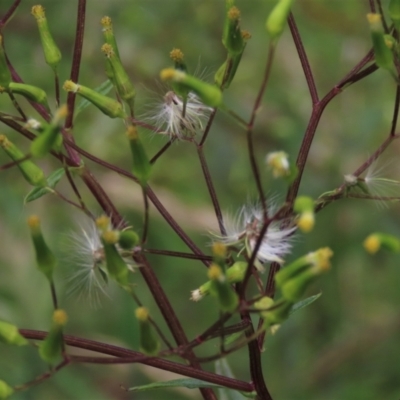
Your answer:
<point x="344" y="346"/>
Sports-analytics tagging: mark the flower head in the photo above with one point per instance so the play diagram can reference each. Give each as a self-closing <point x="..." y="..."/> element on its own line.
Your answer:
<point x="177" y="118"/>
<point x="85" y="253"/>
<point x="375" y="184"/>
<point x="245" y="231"/>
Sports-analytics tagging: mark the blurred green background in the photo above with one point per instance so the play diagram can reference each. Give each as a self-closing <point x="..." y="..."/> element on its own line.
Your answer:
<point x="344" y="346"/>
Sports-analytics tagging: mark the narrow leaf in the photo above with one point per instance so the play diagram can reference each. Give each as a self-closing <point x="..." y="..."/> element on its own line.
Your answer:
<point x="304" y="303"/>
<point x="185" y="382"/>
<point x="223" y="368"/>
<point x="52" y="181"/>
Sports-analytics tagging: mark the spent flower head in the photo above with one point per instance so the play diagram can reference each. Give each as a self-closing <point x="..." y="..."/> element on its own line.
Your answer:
<point x="86" y="254"/>
<point x="245" y="229"/>
<point x="179" y="118"/>
<point x="375" y="184"/>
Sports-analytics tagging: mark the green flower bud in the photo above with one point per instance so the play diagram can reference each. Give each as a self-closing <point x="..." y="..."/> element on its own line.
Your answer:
<point x="51" y="137"/>
<point x="210" y="95"/>
<point x="105" y="104"/>
<point x="177" y="56"/>
<point x="141" y="164"/>
<point x="5" y="390"/>
<point x="45" y="259"/>
<point x="304" y="206"/>
<point x="303" y="203"/>
<point x="232" y="37"/>
<point x="116" y="266"/>
<point x="30" y="92"/>
<point x="219" y="251"/>
<point x="52" y="53"/>
<point x="294" y="289"/>
<point x="226" y="72"/>
<point x="120" y="77"/>
<point x="317" y="261"/>
<point x="9" y="334"/>
<point x="221" y="289"/>
<point x="30" y="171"/>
<point x="383" y="55"/>
<point x="128" y="239"/>
<point x="378" y="239"/>
<point x="276" y="20"/>
<point x="394" y="12"/>
<point x="278" y="161"/>
<point x="109" y="38"/>
<point x="278" y="313"/>
<point x="5" y="74"/>
<point x="51" y="347"/>
<point x="108" y="34"/>
<point x="234" y="274"/>
<point x="149" y="342"/>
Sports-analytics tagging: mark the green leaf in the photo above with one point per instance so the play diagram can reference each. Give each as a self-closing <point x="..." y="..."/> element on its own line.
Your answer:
<point x="185" y="382"/>
<point x="104" y="88"/>
<point x="52" y="181"/>
<point x="222" y="368"/>
<point x="304" y="303"/>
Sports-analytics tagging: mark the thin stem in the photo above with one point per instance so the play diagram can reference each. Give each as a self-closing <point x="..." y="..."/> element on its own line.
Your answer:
<point x="122" y="353"/>
<point x="372" y="6"/>
<point x="14" y="163"/>
<point x="57" y="89"/>
<point x="17" y="106"/>
<point x="7" y="16"/>
<point x="303" y="59"/>
<point x="43" y="377"/>
<point x="250" y="126"/>
<point x="53" y="295"/>
<point x="162" y="151"/>
<point x="178" y="254"/>
<point x="146" y="216"/>
<point x="208" y="127"/>
<point x="76" y="60"/>
<point x="211" y="190"/>
<point x="395" y="111"/>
